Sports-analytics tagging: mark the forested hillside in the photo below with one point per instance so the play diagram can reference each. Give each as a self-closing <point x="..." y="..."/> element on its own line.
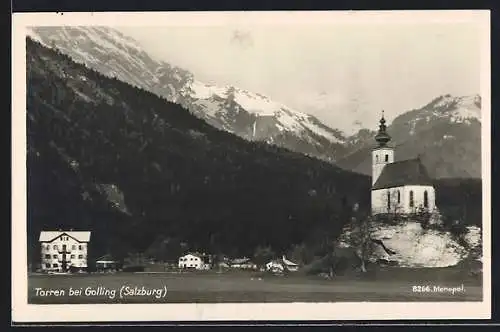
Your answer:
<point x="138" y="170"/>
<point x="130" y="166"/>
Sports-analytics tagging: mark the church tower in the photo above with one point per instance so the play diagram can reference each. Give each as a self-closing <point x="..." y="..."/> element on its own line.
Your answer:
<point x="382" y="154"/>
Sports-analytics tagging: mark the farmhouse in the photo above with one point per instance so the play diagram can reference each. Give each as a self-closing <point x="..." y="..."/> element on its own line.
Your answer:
<point x="398" y="187"/>
<point x="107" y="263"/>
<point x="63" y="251"/>
<point x="279" y="265"/>
<point x="193" y="261"/>
<point x="243" y="263"/>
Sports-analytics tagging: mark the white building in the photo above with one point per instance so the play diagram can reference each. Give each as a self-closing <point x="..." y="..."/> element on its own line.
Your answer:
<point x="279" y="265"/>
<point x="62" y="251"/>
<point x="243" y="263"/>
<point x="193" y="261"/>
<point x="398" y="187"/>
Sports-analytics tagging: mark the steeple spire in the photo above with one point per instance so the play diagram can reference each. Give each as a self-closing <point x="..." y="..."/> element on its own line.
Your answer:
<point x="382" y="137"/>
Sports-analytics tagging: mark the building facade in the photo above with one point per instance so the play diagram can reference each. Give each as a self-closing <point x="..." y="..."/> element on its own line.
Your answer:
<point x="279" y="265"/>
<point x="192" y="261"/>
<point x="63" y="251"/>
<point x="402" y="187"/>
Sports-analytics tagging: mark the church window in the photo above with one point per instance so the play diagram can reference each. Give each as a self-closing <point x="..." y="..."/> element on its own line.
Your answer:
<point x="388" y="201"/>
<point x="399" y="197"/>
<point x="426" y="199"/>
<point x="411" y="199"/>
<point x="386" y="158"/>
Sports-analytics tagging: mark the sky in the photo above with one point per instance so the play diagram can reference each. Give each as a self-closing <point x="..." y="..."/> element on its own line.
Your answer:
<point x="340" y="73"/>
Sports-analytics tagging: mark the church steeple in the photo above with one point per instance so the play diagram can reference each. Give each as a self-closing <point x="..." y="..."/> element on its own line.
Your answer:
<point x="382" y="136"/>
<point x="382" y="154"/>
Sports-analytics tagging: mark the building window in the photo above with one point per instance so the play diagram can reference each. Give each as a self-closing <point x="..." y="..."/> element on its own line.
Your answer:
<point x="55" y="265"/>
<point x="426" y="199"/>
<point x="54" y="256"/>
<point x="399" y="197"/>
<point x="80" y="256"/>
<point x="386" y="158"/>
<point x="411" y="199"/>
<point x="64" y="247"/>
<point x="73" y="247"/>
<point x="72" y="256"/>
<point x="388" y="201"/>
<point x="79" y="247"/>
<point x="47" y="256"/>
<point x="48" y="247"/>
<point x="55" y="246"/>
<point x="376" y="158"/>
<point x="47" y="265"/>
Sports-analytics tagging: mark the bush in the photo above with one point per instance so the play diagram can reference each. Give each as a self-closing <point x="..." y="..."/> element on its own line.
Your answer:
<point x="136" y="268"/>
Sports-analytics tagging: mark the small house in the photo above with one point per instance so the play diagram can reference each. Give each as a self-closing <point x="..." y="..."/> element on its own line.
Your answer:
<point x="243" y="263"/>
<point x="106" y="263"/>
<point x="280" y="265"/>
<point x="193" y="261"/>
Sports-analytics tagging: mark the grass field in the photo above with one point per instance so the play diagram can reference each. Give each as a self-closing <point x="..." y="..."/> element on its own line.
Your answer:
<point x="393" y="285"/>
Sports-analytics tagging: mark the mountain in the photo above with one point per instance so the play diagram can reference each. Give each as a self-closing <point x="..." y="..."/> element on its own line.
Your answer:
<point x="132" y="167"/>
<point x="446" y="133"/>
<point x="244" y="113"/>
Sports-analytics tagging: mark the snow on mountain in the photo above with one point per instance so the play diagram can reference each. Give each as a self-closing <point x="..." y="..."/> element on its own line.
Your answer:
<point x="256" y="117"/>
<point x="244" y="113"/>
<point x="463" y="109"/>
<point x="446" y="133"/>
<point x="205" y="91"/>
<point x="258" y="105"/>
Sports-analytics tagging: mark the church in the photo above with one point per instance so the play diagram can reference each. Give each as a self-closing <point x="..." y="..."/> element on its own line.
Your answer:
<point x="402" y="187"/>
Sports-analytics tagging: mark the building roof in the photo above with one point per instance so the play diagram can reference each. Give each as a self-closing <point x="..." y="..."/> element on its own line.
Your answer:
<point x="401" y="173"/>
<point x="106" y="259"/>
<point x="240" y="260"/>
<point x="194" y="254"/>
<point x="283" y="260"/>
<point x="49" y="236"/>
<point x="289" y="263"/>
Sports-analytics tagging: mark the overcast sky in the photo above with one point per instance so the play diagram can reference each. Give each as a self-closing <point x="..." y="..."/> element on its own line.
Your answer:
<point x="327" y="70"/>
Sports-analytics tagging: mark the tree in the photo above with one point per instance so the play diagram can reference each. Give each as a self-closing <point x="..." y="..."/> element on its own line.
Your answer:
<point x="360" y="237"/>
<point x="301" y="253"/>
<point x="263" y="255"/>
<point x="394" y="207"/>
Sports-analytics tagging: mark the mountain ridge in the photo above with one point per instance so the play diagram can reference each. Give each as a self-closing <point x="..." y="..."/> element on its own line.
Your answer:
<point x="222" y="107"/>
<point x="255" y="117"/>
<point x="131" y="166"/>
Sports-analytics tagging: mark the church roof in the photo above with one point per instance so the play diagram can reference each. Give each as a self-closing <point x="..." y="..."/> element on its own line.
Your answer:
<point x="401" y="173"/>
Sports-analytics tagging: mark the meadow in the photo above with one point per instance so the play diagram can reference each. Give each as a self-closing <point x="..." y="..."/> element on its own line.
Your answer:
<point x="393" y="285"/>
